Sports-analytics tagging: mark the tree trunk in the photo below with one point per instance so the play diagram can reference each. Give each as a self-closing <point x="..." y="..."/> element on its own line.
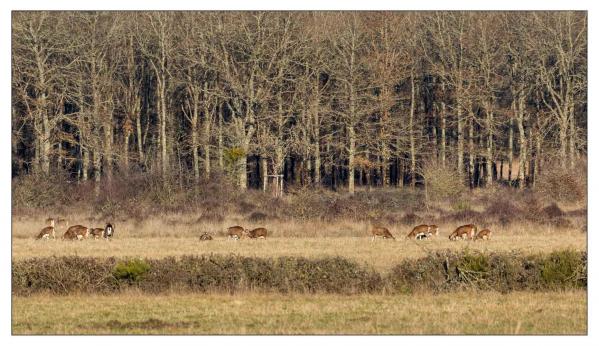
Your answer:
<point x="194" y="143"/>
<point x="140" y="151"/>
<point x="460" y="135"/>
<point x="572" y="138"/>
<point x="207" y="131"/>
<point x="443" y="126"/>
<point x="510" y="144"/>
<point x="471" y="155"/>
<point x="411" y="130"/>
<point x="522" y="142"/>
<point x="221" y="162"/>
<point x="351" y="155"/>
<point x="489" y="177"/>
<point x="264" y="171"/>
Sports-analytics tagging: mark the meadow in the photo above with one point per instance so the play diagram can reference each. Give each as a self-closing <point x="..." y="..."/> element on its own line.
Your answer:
<point x="461" y="311"/>
<point x="450" y="313"/>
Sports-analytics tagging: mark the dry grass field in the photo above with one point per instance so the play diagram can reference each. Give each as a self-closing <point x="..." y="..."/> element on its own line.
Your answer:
<point x="454" y="313"/>
<point x="381" y="254"/>
<point x="263" y="313"/>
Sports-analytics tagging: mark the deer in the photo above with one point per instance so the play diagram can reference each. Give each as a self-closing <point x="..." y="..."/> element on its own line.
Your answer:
<point x="423" y="232"/>
<point x="463" y="232"/>
<point x="96" y="233"/>
<point x="47" y="232"/>
<point x="485" y="234"/>
<point x="257" y="233"/>
<point x="108" y="231"/>
<point x="378" y="231"/>
<point x="76" y="232"/>
<point x="236" y="232"/>
<point x="105" y="232"/>
<point x="205" y="236"/>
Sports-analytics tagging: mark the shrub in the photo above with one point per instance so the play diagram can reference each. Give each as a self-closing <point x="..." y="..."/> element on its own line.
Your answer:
<point x="439" y="271"/>
<point x="131" y="270"/>
<point x="411" y="219"/>
<point x="256" y="217"/>
<point x="564" y="269"/>
<point x="563" y="184"/>
<point x="442" y="182"/>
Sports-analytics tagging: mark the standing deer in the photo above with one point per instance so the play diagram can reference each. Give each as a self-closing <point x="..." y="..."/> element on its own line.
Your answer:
<point x="485" y="234"/>
<point x="377" y="231"/>
<point x="76" y="232"/>
<point x="257" y="233"/>
<point x="236" y="232"/>
<point x="463" y="232"/>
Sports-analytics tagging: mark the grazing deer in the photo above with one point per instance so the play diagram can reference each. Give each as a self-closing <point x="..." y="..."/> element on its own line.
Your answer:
<point x="257" y="233"/>
<point x="485" y="234"/>
<point x="378" y="231"/>
<point x="96" y="233"/>
<point x="236" y="232"/>
<point x="422" y="236"/>
<point x="420" y="229"/>
<point x="46" y="233"/>
<point x="205" y="236"/>
<point x="76" y="232"/>
<point x="463" y="232"/>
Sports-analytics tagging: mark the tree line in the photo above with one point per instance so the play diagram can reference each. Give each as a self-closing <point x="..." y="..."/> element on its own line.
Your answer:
<point x="337" y="99"/>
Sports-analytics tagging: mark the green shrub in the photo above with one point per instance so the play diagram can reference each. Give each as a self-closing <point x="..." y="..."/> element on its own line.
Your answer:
<point x="439" y="271"/>
<point x="131" y="270"/>
<point x="565" y="268"/>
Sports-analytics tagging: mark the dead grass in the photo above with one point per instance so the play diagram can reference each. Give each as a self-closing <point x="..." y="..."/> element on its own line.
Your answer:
<point x="455" y="313"/>
<point x="381" y="254"/>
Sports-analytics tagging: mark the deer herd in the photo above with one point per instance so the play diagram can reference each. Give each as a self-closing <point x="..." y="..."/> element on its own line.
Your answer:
<point x="76" y="232"/>
<point x="420" y="232"/>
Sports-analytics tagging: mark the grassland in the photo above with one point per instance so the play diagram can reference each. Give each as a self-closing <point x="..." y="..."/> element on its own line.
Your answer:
<point x="457" y="313"/>
<point x="470" y="312"/>
<point x="380" y="254"/>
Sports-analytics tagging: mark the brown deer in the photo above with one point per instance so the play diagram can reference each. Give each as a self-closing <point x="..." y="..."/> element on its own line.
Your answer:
<point x="96" y="233"/>
<point x="236" y="232"/>
<point x="257" y="233"/>
<point x="46" y="233"/>
<point x="485" y="234"/>
<point x="205" y="236"/>
<point x="378" y="231"/>
<point x="76" y="232"/>
<point x="463" y="232"/>
<point x="423" y="232"/>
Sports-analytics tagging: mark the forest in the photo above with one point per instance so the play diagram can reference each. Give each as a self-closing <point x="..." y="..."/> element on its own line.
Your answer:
<point x="340" y="100"/>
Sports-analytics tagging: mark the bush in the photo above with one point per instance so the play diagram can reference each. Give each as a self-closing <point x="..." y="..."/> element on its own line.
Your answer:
<point x="504" y="272"/>
<point x="439" y="271"/>
<point x="131" y="270"/>
<point x="564" y="269"/>
<point x="442" y="182"/>
<point x="257" y="217"/>
<point x="563" y="184"/>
